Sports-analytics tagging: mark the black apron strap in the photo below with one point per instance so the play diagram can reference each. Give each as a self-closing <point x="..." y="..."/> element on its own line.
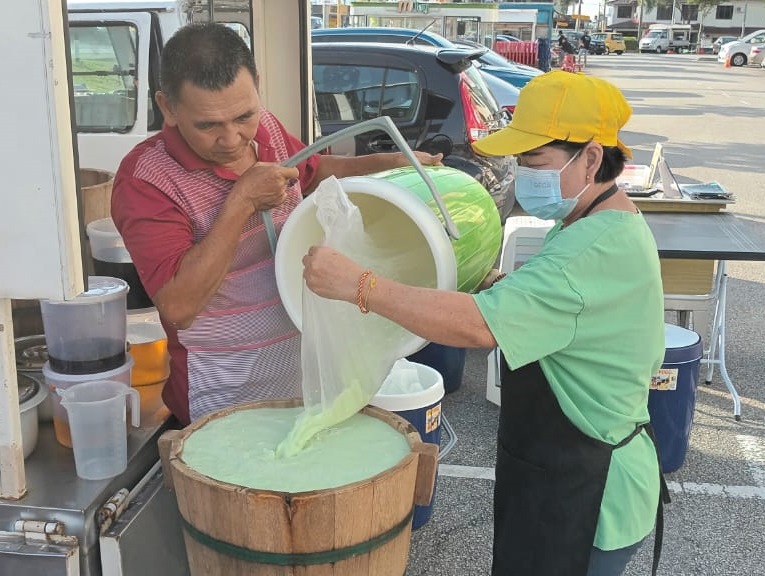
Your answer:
<point x="664" y="498"/>
<point x="602" y="197"/>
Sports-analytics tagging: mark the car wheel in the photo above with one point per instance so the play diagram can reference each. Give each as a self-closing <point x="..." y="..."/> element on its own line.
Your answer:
<point x="738" y="59"/>
<point x="660" y="50"/>
<point x="619" y="52"/>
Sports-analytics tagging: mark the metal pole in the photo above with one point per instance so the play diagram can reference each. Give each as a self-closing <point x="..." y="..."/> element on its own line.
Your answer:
<point x="743" y="20"/>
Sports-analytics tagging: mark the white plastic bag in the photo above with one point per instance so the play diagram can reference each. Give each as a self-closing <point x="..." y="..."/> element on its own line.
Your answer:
<point x="346" y="355"/>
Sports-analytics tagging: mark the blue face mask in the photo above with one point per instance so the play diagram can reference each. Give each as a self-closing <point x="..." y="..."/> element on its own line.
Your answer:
<point x="538" y="192"/>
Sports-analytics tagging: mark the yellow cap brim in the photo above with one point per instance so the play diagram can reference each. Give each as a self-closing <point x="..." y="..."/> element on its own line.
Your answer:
<point x="509" y="142"/>
<point x="624" y="148"/>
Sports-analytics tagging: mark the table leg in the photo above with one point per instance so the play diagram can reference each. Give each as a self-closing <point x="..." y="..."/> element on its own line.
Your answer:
<point x="717" y="347"/>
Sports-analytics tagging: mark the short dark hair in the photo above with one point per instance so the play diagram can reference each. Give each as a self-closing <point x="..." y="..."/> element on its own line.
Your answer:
<point x="611" y="166"/>
<point x="209" y="55"/>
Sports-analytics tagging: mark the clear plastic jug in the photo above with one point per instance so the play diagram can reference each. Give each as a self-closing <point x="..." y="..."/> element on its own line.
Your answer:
<point x="97" y="418"/>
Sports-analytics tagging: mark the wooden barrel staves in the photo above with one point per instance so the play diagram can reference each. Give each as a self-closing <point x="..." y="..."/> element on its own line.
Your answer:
<point x="361" y="529"/>
<point x="95" y="194"/>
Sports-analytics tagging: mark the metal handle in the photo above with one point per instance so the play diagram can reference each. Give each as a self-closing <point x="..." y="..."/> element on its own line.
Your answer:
<point x="385" y="124"/>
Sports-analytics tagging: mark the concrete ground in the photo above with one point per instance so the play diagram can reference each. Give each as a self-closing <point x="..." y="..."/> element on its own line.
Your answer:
<point x="712" y="123"/>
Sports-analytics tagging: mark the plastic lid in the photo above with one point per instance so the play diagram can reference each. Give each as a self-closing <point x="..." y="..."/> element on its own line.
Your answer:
<point x="430" y="393"/>
<point x="60" y="378"/>
<point x="31" y="353"/>
<point x="679" y="337"/>
<point x="102" y="227"/>
<point x="99" y="288"/>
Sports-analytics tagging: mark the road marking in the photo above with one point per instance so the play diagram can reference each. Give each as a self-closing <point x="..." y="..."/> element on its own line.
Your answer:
<point x="753" y="451"/>
<point x="689" y="488"/>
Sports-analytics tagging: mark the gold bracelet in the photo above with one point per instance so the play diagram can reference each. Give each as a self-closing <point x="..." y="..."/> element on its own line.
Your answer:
<point x="359" y="291"/>
<point x="372" y="284"/>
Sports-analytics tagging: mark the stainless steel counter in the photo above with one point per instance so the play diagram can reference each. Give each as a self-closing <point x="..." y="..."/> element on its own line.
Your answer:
<point x="55" y="493"/>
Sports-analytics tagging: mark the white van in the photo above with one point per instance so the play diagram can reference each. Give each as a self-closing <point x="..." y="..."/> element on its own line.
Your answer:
<point x="661" y="37"/>
<point x="115" y="50"/>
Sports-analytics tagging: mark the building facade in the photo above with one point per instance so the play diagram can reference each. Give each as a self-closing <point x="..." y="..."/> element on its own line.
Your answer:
<point x="735" y="18"/>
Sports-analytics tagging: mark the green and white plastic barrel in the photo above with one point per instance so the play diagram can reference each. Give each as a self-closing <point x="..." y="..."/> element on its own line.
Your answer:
<point x="400" y="213"/>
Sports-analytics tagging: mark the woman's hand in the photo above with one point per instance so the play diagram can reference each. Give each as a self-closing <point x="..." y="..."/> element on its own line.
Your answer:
<point x="330" y="274"/>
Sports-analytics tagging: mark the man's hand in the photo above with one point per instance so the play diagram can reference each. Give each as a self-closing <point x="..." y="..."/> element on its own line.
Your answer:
<point x="425" y="159"/>
<point x="264" y="185"/>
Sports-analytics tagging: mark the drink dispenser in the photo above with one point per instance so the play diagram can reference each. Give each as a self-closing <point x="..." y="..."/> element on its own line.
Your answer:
<point x="86" y="334"/>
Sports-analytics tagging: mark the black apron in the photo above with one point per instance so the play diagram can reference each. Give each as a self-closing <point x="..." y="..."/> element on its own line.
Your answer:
<point x="550" y="479"/>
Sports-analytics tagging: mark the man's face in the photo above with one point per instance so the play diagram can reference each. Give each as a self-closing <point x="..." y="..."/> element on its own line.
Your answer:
<point x="216" y="124"/>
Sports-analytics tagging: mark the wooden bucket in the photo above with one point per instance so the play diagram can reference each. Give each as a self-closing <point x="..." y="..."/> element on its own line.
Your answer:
<point x="361" y="529"/>
<point x="95" y="194"/>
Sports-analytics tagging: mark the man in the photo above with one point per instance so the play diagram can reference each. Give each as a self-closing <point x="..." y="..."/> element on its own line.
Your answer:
<point x="189" y="203"/>
<point x="564" y="44"/>
<point x="584" y="48"/>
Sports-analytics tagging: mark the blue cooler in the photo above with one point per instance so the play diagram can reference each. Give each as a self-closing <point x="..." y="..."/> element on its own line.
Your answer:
<point x="422" y="408"/>
<point x="672" y="397"/>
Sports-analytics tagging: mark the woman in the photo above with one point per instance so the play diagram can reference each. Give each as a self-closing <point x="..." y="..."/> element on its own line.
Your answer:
<point x="581" y="330"/>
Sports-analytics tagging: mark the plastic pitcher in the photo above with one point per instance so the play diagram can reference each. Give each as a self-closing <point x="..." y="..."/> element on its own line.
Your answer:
<point x="97" y="415"/>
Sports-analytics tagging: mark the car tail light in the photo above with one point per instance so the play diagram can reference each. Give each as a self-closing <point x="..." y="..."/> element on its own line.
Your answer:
<point x="476" y="127"/>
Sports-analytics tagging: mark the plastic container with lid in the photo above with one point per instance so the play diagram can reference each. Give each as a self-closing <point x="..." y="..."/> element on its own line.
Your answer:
<point x="111" y="258"/>
<point x="672" y="398"/>
<point x="58" y="382"/>
<point x="86" y="335"/>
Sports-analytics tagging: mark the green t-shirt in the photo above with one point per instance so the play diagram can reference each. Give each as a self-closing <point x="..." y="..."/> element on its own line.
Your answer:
<point x="589" y="307"/>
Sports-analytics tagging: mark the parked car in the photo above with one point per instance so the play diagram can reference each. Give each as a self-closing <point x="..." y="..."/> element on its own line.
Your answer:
<point x="597" y="46"/>
<point x="612" y="41"/>
<point x="317" y="22"/>
<point x="738" y="50"/>
<point x="720" y="41"/>
<point x="757" y="55"/>
<point x="516" y="74"/>
<point x="504" y="95"/>
<point x="437" y="97"/>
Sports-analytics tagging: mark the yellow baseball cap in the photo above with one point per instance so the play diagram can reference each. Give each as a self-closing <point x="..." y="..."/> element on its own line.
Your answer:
<point x="561" y="105"/>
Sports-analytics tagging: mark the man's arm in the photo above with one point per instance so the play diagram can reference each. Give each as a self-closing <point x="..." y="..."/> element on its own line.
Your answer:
<point x="342" y="166"/>
<point x="204" y="266"/>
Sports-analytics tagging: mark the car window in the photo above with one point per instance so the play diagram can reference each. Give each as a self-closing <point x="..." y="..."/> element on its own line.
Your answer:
<point x="491" y="58"/>
<point x="617" y="37"/>
<point x="351" y="93"/>
<point x="759" y="39"/>
<point x="484" y="104"/>
<point x="598" y="36"/>
<point x="104" y="76"/>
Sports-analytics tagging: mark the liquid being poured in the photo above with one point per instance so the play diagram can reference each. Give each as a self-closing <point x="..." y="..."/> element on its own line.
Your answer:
<point x="347" y="355"/>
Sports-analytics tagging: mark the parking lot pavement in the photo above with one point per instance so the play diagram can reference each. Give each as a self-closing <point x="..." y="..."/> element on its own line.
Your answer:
<point x="711" y="121"/>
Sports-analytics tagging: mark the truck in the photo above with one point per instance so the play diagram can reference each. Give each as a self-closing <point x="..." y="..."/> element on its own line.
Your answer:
<point x="115" y="51"/>
<point x="663" y="37"/>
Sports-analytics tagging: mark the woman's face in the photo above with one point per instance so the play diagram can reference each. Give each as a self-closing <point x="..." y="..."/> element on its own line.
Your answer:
<point x="573" y="178"/>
